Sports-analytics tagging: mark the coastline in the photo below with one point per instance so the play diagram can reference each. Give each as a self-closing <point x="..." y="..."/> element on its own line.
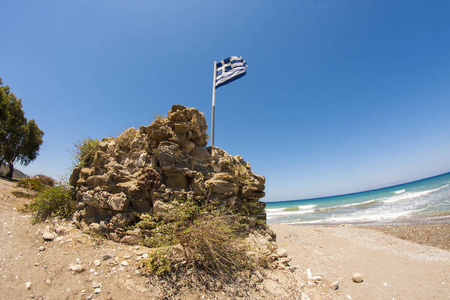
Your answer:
<point x="436" y="235"/>
<point x="394" y="264"/>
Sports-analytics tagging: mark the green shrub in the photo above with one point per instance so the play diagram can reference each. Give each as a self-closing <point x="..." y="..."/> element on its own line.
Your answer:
<point x="18" y="194"/>
<point x="158" y="262"/>
<point x="159" y="117"/>
<point x="46" y="180"/>
<point x="85" y="152"/>
<point x="52" y="202"/>
<point x="31" y="184"/>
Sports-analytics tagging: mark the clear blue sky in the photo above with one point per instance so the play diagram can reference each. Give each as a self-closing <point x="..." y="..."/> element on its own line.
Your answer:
<point x="339" y="96"/>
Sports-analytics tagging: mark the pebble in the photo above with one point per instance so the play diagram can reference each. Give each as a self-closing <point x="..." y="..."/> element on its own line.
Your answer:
<point x="48" y="236"/>
<point x="97" y="290"/>
<point x="358" y="277"/>
<point x="41" y="248"/>
<point x="97" y="262"/>
<point x="106" y="256"/>
<point x="96" y="284"/>
<point x="77" y="268"/>
<point x="124" y="263"/>
<point x="61" y="230"/>
<point x="334" y="285"/>
<point x="28" y="285"/>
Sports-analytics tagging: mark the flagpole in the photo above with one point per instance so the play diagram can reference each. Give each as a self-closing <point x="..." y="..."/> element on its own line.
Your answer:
<point x="213" y="104"/>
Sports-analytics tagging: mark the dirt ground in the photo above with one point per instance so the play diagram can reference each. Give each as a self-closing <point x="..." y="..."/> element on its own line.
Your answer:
<point x="34" y="268"/>
<point x="74" y="265"/>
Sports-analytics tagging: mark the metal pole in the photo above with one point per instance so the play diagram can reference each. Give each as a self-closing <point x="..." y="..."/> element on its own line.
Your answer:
<point x="213" y="104"/>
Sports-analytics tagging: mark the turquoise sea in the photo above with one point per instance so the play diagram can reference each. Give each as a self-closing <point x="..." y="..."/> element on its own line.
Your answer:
<point x="422" y="201"/>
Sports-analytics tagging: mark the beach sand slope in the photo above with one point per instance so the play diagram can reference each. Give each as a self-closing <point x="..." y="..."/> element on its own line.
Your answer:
<point x="393" y="268"/>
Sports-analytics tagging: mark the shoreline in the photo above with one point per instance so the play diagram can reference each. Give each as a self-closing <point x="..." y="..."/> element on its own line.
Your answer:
<point x="436" y="234"/>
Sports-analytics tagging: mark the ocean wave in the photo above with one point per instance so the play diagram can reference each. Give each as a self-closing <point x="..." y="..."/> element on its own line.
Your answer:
<point x="300" y="207"/>
<point x="291" y="208"/>
<point x="366" y="203"/>
<point x="399" y="192"/>
<point x="277" y="214"/>
<point x="365" y="218"/>
<point x="411" y="195"/>
<point x="269" y="210"/>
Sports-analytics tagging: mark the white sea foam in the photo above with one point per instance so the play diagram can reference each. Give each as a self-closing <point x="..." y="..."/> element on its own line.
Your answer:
<point x="346" y="205"/>
<point x="300" y="207"/>
<point x="411" y="195"/>
<point x="380" y="216"/>
<point x="292" y="209"/>
<point x="274" y="214"/>
<point x="399" y="192"/>
<point x="269" y="210"/>
<point x="306" y="207"/>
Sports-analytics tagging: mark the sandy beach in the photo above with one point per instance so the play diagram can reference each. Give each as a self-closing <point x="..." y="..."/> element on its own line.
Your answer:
<point x="393" y="263"/>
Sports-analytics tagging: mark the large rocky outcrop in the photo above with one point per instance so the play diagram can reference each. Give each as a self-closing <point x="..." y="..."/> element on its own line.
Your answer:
<point x="146" y="170"/>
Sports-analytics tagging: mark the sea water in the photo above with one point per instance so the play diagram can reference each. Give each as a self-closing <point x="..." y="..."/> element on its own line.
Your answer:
<point x="422" y="201"/>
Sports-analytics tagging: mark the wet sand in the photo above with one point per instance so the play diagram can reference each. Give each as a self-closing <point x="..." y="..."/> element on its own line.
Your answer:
<point x="436" y="235"/>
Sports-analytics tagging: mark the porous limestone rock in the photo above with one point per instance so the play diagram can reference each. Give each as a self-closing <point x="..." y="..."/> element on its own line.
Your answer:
<point x="145" y="170"/>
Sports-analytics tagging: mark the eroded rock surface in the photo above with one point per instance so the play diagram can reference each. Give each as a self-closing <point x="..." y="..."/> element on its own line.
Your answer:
<point x="147" y="169"/>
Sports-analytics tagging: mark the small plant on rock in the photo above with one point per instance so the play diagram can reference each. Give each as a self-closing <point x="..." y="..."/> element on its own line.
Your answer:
<point x="159" y="117"/>
<point x="84" y="153"/>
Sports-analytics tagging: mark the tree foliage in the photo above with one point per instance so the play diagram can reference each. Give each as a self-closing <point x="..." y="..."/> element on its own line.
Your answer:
<point x="20" y="139"/>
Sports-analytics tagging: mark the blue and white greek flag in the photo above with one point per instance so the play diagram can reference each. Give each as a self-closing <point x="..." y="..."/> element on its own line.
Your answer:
<point x="230" y="69"/>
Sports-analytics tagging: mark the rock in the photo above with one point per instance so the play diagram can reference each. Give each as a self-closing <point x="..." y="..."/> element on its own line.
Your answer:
<point x="161" y="207"/>
<point x="48" y="236"/>
<point x="257" y="277"/>
<point x="131" y="239"/>
<point x="28" y="285"/>
<point x="95" y="228"/>
<point x="284" y="260"/>
<point x="280" y="252"/>
<point x="118" y="202"/>
<point x="357" y="277"/>
<point x="97" y="290"/>
<point x="97" y="262"/>
<point x="77" y="268"/>
<point x="61" y="230"/>
<point x="334" y="285"/>
<point x="96" y="284"/>
<point x="317" y="279"/>
<point x="41" y="248"/>
<point x="152" y="169"/>
<point x="106" y="256"/>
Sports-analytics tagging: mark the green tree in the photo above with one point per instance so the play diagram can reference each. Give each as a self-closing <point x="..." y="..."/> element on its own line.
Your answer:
<point x="20" y="139"/>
